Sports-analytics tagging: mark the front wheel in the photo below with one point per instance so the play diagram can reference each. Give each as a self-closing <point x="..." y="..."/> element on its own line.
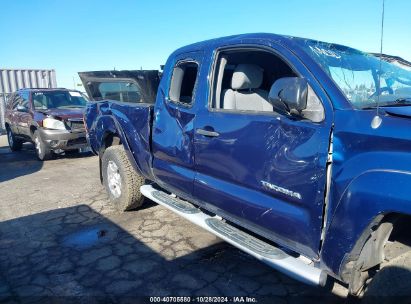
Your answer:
<point x="42" y="152"/>
<point x="14" y="143"/>
<point x="392" y="284"/>
<point x="121" y="181"/>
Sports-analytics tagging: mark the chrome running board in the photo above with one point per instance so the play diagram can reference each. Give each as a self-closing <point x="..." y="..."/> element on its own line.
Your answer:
<point x="175" y="202"/>
<point x="299" y="268"/>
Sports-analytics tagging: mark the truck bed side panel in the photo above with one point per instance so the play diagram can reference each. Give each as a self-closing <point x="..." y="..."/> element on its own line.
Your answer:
<point x="131" y="122"/>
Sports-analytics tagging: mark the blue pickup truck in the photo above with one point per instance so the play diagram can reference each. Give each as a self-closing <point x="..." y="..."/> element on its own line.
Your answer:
<point x="296" y="151"/>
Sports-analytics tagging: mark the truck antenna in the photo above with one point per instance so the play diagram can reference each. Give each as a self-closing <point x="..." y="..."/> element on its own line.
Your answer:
<point x="377" y="120"/>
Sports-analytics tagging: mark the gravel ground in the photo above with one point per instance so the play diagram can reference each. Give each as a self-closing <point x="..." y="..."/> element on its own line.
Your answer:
<point x="61" y="241"/>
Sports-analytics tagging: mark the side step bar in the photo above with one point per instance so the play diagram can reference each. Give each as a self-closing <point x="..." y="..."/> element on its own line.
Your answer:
<point x="299" y="268"/>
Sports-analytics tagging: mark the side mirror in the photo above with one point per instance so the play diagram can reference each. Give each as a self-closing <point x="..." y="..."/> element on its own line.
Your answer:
<point x="288" y="95"/>
<point x="22" y="109"/>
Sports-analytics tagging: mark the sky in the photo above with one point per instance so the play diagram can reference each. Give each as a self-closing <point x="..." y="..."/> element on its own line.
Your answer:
<point x="86" y="35"/>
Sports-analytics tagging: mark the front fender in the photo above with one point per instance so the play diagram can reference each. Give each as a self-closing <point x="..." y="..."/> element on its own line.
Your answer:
<point x="373" y="193"/>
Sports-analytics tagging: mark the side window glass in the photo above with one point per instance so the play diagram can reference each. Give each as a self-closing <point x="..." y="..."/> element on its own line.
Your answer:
<point x="243" y="79"/>
<point x="10" y="102"/>
<point x="25" y="99"/>
<point x="121" y="91"/>
<point x="18" y="101"/>
<point x="315" y="110"/>
<point x="183" y="82"/>
<point x="40" y="101"/>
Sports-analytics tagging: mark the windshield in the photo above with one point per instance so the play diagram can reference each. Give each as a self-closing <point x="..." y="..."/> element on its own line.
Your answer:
<point x="356" y="74"/>
<point x="43" y="100"/>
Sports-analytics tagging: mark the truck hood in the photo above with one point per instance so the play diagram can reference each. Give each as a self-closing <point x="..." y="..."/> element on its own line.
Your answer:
<point x="402" y="111"/>
<point x="65" y="113"/>
<point x="122" y="85"/>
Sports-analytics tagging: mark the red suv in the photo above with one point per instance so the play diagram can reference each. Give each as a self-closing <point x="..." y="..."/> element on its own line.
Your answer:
<point x="50" y="118"/>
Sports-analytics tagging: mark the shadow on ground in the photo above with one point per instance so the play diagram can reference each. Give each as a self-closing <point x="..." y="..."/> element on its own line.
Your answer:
<point x="77" y="255"/>
<point x="16" y="164"/>
<point x="25" y="162"/>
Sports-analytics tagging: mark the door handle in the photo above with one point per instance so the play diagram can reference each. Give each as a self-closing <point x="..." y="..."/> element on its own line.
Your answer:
<point x="207" y="133"/>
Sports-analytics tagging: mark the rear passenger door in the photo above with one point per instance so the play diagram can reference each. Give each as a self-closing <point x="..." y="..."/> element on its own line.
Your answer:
<point x="173" y="124"/>
<point x="12" y="113"/>
<point x="24" y="113"/>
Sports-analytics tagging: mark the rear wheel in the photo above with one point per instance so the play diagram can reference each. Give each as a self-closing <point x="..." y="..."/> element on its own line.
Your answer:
<point x="15" y="144"/>
<point x="42" y="152"/>
<point x="121" y="181"/>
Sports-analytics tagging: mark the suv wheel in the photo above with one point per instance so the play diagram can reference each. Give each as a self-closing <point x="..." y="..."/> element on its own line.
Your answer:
<point x="42" y="152"/>
<point x="121" y="181"/>
<point x="14" y="143"/>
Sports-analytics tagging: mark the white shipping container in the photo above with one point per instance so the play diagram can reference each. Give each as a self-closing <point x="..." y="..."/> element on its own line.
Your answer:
<point x="12" y="80"/>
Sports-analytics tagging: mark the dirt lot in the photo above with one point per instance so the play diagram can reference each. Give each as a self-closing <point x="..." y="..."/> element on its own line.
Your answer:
<point x="60" y="240"/>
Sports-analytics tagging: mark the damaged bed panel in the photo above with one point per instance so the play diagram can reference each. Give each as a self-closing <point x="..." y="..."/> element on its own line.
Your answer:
<point x="130" y="123"/>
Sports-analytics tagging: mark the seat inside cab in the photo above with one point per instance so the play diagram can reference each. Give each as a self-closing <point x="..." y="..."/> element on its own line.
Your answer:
<point x="244" y="78"/>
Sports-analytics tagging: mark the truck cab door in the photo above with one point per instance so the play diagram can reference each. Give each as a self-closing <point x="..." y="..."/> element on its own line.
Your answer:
<point x="255" y="167"/>
<point x="173" y="125"/>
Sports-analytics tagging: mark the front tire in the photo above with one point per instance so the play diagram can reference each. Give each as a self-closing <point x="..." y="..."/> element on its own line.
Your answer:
<point x="15" y="144"/>
<point x="392" y="284"/>
<point x="121" y="181"/>
<point x="42" y="152"/>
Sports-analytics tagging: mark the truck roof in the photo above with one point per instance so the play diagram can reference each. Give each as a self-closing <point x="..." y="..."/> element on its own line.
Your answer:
<point x="45" y="89"/>
<point x="281" y="39"/>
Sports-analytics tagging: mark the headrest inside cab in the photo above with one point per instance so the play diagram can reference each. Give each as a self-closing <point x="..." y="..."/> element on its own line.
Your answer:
<point x="247" y="76"/>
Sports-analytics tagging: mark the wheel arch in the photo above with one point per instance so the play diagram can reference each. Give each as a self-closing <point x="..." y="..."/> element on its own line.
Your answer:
<point x="372" y="249"/>
<point x="113" y="134"/>
<point x="109" y="139"/>
<point x="33" y="129"/>
<point x="363" y="220"/>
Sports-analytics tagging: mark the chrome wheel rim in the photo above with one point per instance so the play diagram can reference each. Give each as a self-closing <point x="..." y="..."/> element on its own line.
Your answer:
<point x="10" y="137"/>
<point x="114" y="179"/>
<point x="37" y="144"/>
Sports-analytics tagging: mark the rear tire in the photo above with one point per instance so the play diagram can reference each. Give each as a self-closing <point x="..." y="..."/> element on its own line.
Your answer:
<point x="121" y="181"/>
<point x="392" y="284"/>
<point x="42" y="152"/>
<point x="15" y="144"/>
